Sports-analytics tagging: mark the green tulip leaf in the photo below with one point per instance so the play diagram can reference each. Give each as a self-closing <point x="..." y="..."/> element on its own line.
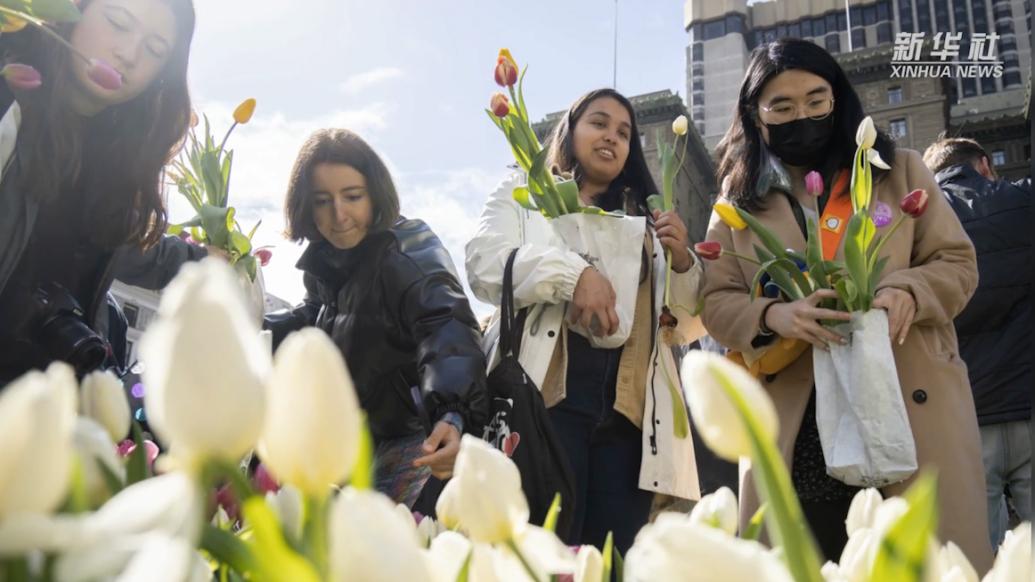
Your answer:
<point x="754" y="528"/>
<point x="569" y="192"/>
<point x="51" y="10"/>
<point x="274" y="557"/>
<point x="903" y="550"/>
<point x="552" y="514"/>
<point x="768" y="239"/>
<point x="136" y="465"/>
<point x="522" y="197"/>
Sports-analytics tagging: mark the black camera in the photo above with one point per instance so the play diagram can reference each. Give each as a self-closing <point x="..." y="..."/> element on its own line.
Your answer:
<point x="62" y="332"/>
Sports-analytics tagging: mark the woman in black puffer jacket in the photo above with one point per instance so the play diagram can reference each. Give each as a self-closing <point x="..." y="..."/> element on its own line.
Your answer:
<point x="385" y="290"/>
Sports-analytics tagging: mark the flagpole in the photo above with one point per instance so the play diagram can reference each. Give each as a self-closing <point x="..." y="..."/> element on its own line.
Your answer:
<point x="614" y="64"/>
<point x="848" y="18"/>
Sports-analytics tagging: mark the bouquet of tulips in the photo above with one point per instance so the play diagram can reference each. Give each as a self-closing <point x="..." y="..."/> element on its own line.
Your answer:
<point x="609" y="241"/>
<point x="202" y="176"/>
<point x="847" y="377"/>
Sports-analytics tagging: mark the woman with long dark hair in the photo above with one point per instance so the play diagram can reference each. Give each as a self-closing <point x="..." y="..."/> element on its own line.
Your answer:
<point x="797" y="112"/>
<point x="82" y="170"/>
<point x="610" y="407"/>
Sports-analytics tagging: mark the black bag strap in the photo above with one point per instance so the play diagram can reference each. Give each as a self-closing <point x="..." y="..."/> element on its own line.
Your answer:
<point x="511" y="323"/>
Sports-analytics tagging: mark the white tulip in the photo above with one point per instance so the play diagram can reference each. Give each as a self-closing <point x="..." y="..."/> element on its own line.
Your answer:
<point x="94" y="447"/>
<point x="718" y="510"/>
<point x="545" y="552"/>
<point x="858" y="555"/>
<point x="680" y="125"/>
<point x="950" y="565"/>
<point x="714" y="413"/>
<point x="484" y="496"/>
<point x="312" y="433"/>
<point x="874" y="157"/>
<point x="165" y="559"/>
<point x="169" y="503"/>
<point x="674" y="548"/>
<point x="1013" y="562"/>
<point x="831" y="572"/>
<point x="371" y="541"/>
<point x="205" y="367"/>
<point x="589" y="565"/>
<point x="428" y="529"/>
<point x="37" y="419"/>
<point x="446" y="556"/>
<point x="866" y="133"/>
<point x="103" y="398"/>
<point x="863" y="510"/>
<point x="286" y="504"/>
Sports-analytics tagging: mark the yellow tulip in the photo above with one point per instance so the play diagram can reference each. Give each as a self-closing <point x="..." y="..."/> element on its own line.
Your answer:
<point x="12" y="24"/>
<point x="729" y="215"/>
<point x="506" y="56"/>
<point x="244" y="111"/>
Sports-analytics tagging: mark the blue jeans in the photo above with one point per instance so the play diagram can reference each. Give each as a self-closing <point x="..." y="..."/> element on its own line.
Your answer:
<point x="1006" y="449"/>
<point x="604" y="449"/>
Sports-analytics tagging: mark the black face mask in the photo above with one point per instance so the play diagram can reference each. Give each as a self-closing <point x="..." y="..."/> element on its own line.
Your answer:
<point x="801" y="142"/>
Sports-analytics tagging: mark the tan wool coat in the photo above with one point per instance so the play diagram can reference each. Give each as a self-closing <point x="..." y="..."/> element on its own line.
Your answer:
<point x="933" y="259"/>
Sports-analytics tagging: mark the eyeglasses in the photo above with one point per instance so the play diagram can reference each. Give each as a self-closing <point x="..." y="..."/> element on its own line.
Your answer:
<point x="786" y="112"/>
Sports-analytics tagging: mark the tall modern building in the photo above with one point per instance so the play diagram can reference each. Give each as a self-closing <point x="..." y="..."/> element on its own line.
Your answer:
<point x="722" y="34"/>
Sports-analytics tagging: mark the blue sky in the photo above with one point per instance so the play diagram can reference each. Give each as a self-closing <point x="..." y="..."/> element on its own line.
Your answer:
<point x="412" y="77"/>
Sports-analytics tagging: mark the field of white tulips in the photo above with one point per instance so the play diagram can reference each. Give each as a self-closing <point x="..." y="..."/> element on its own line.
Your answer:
<point x="75" y="506"/>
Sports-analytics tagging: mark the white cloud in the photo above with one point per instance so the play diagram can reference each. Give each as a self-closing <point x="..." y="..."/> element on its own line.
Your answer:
<point x="368" y="79"/>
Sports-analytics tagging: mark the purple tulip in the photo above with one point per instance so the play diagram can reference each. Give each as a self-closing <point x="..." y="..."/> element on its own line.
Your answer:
<point x="104" y="75"/>
<point x="21" y="77"/>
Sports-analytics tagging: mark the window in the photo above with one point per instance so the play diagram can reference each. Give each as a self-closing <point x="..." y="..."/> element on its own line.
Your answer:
<point x="998" y="158"/>
<point x="833" y="43"/>
<point x="695" y="32"/>
<point x="842" y="21"/>
<point x="857" y="16"/>
<point x="869" y="15"/>
<point x="794" y="30"/>
<point x="898" y="128"/>
<point x="1012" y="79"/>
<point x="987" y="85"/>
<point x="969" y="87"/>
<point x="697" y="54"/>
<point x="698" y="85"/>
<point x="980" y="14"/>
<point x="129" y="351"/>
<point x="714" y="29"/>
<point x="132" y="314"/>
<point x="884" y="33"/>
<point x="734" y="23"/>
<point x="883" y="11"/>
<point x="858" y="38"/>
<point x="923" y="17"/>
<point x="905" y="16"/>
<point x="806" y="27"/>
<point x="831" y="22"/>
<point x="1002" y="10"/>
<point x="941" y="15"/>
<point x="894" y="95"/>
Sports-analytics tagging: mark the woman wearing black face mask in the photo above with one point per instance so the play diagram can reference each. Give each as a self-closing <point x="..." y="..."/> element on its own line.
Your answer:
<point x="797" y="112"/>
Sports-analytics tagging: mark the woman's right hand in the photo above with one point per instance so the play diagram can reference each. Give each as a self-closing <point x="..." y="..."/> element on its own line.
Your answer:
<point x="799" y="320"/>
<point x="594" y="298"/>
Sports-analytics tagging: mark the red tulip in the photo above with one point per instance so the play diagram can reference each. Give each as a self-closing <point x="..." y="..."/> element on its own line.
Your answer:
<point x="499" y="104"/>
<point x="104" y="75"/>
<point x="915" y="203"/>
<point x="708" y="250"/>
<point x="506" y="73"/>
<point x="21" y="77"/>
<point x="264" y="256"/>
<point x="814" y="183"/>
<point x="264" y="481"/>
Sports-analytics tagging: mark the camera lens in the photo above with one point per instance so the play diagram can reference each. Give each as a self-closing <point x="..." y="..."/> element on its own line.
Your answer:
<point x="65" y="337"/>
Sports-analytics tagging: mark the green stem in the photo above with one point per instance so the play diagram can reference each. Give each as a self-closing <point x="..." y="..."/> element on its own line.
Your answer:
<point x="314" y="536"/>
<point x="14" y="570"/>
<point x="528" y="567"/>
<point x="741" y="257"/>
<point x="228" y="549"/>
<point x="227" y="136"/>
<point x="46" y="29"/>
<point x="668" y="274"/>
<point x="880" y="244"/>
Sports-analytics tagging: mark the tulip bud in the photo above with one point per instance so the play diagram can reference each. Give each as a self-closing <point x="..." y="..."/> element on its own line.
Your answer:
<point x="705" y="379"/>
<point x="814" y="184"/>
<point x="499" y="105"/>
<point x="680" y="125"/>
<point x="915" y="203"/>
<point x="103" y="399"/>
<point x="1013" y="561"/>
<point x="312" y="433"/>
<point x="484" y="496"/>
<point x="506" y="72"/>
<point x="589" y="565"/>
<point x="708" y="250"/>
<point x="193" y="122"/>
<point x="729" y="215"/>
<point x="243" y="113"/>
<point x="370" y="540"/>
<point x="104" y="75"/>
<point x="21" y="77"/>
<point x="718" y="510"/>
<point x="264" y="256"/>
<point x="866" y="134"/>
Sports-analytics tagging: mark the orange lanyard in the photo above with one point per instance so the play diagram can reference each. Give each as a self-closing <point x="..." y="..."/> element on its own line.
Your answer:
<point x="838" y="210"/>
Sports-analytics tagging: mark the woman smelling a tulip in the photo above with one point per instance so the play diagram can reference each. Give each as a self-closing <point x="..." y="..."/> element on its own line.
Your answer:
<point x="385" y="290"/>
<point x="786" y="160"/>
<point x="614" y="417"/>
<point x="91" y="113"/>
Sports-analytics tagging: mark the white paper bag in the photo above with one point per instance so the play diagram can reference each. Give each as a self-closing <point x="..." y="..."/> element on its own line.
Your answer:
<point x="614" y="245"/>
<point x="254" y="293"/>
<point x="860" y="413"/>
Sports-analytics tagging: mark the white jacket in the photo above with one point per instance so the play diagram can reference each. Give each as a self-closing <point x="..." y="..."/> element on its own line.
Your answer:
<point x="545" y="275"/>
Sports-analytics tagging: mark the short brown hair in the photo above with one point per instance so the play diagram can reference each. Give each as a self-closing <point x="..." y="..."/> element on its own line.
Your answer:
<point x="953" y="151"/>
<point x="337" y="146"/>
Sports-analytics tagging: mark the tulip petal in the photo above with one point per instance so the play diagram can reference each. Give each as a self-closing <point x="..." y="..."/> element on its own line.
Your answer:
<point x="874" y="157"/>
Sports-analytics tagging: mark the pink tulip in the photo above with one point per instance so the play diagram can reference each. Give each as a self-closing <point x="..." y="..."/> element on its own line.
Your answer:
<point x="21" y="77"/>
<point x="264" y="481"/>
<point x="915" y="203"/>
<point x="151" y="450"/>
<point x="708" y="250"/>
<point x="104" y="75"/>
<point x="814" y="184"/>
<point x="506" y="73"/>
<point x="500" y="105"/>
<point x="264" y="256"/>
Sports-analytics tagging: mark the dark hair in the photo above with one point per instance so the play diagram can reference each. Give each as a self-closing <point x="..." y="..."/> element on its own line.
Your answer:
<point x="953" y="151"/>
<point x="634" y="184"/>
<point x="740" y="151"/>
<point x="337" y="146"/>
<point x="117" y="155"/>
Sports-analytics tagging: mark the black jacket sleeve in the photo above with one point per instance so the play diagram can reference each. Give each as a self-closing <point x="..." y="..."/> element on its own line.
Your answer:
<point x="285" y="321"/>
<point x="450" y="361"/>
<point x="155" y="267"/>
